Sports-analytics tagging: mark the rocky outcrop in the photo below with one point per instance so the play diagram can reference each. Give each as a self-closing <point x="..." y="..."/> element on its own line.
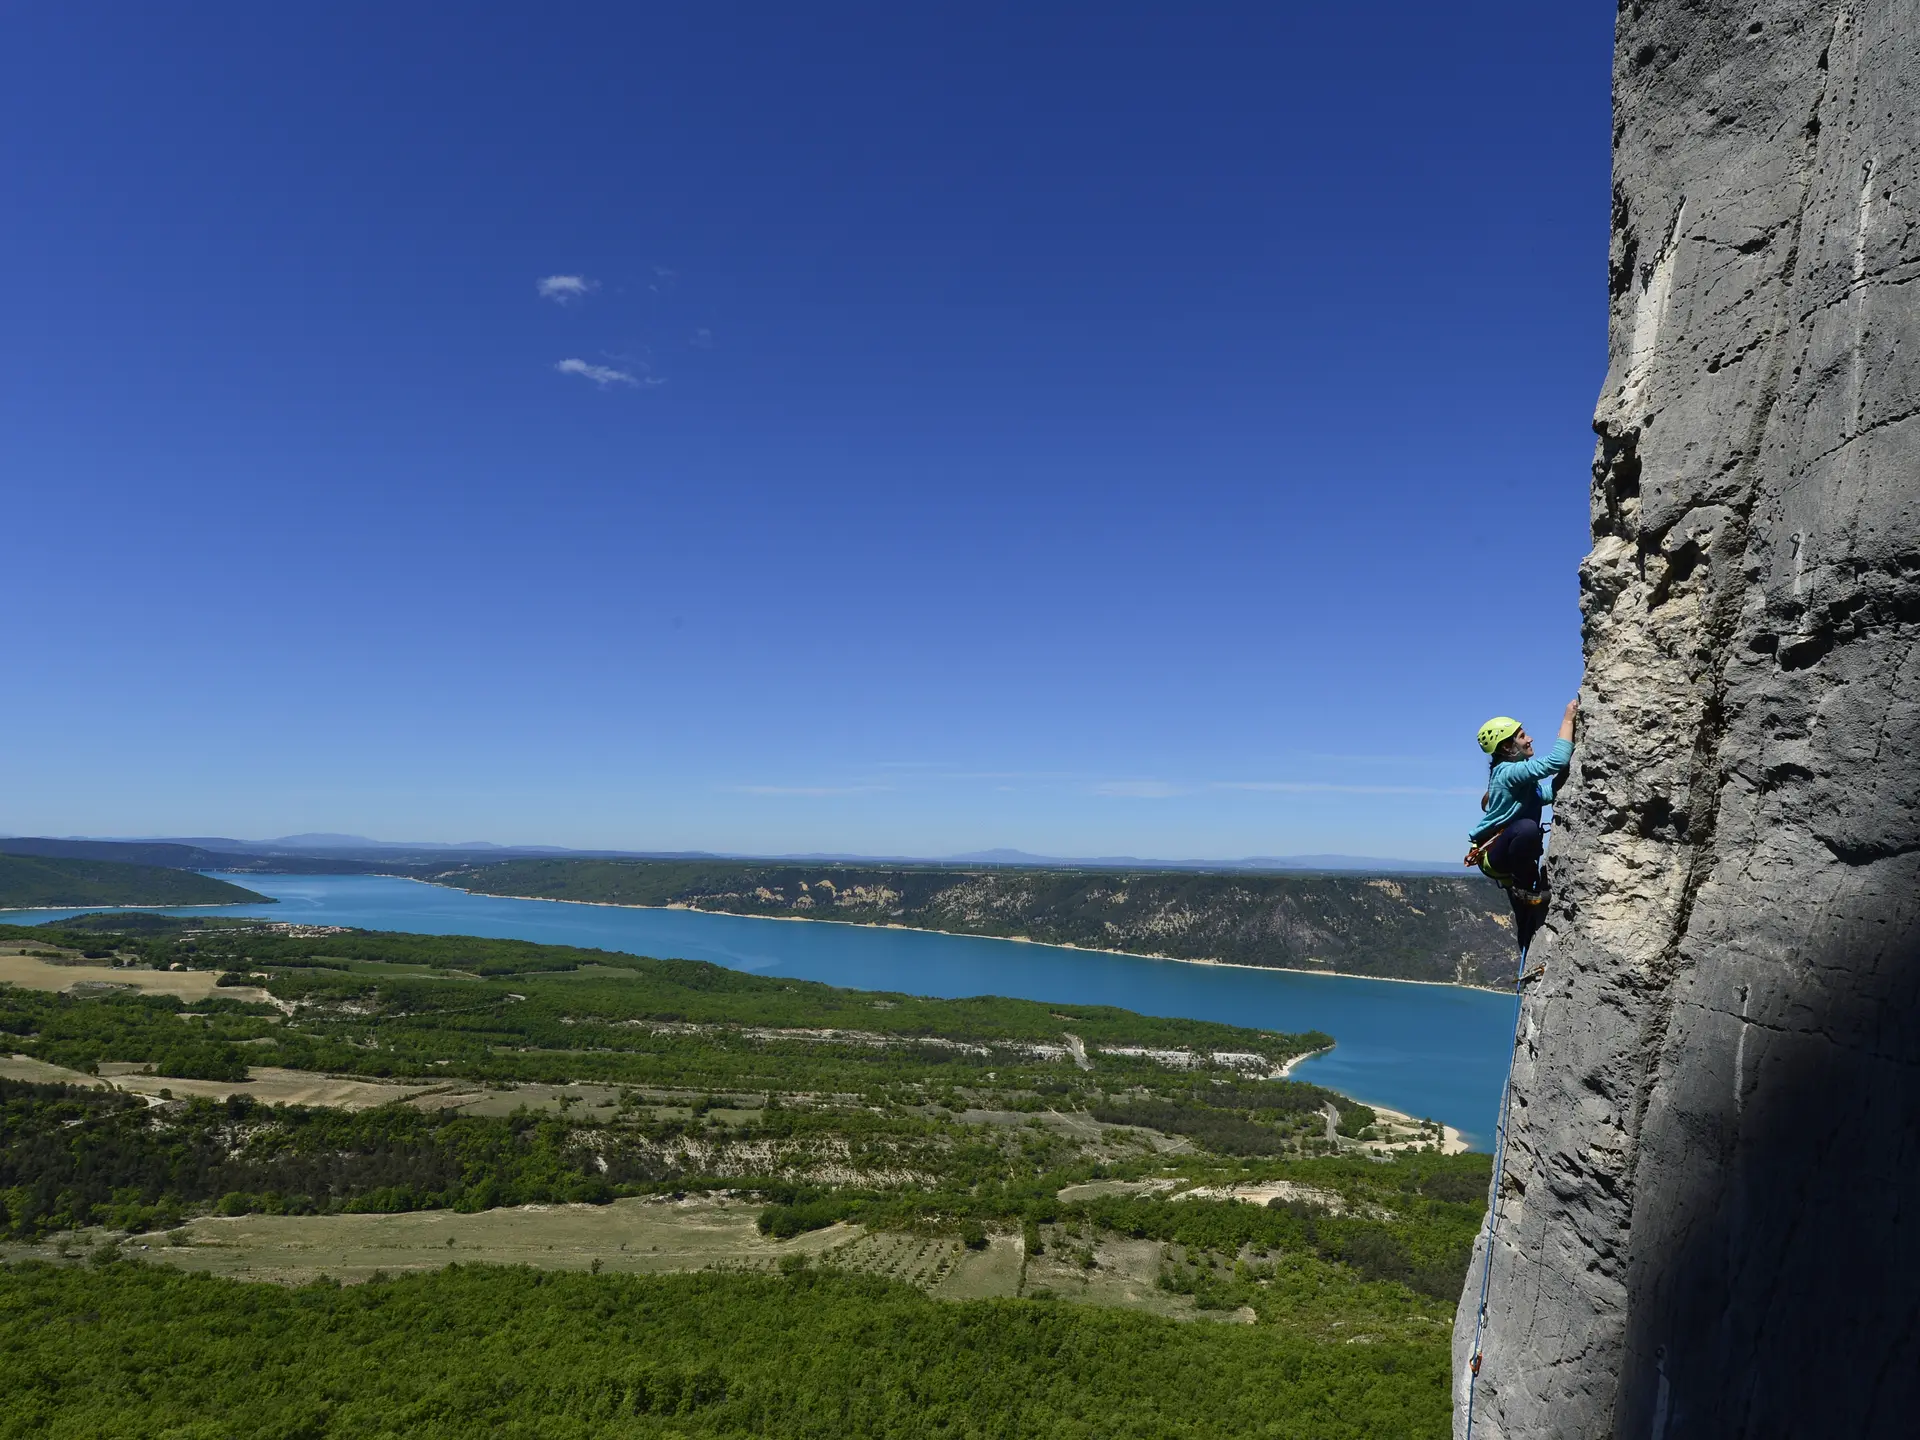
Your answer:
<point x="1710" y="1220"/>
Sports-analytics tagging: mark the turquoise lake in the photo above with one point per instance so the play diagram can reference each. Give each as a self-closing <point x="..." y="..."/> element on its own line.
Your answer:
<point x="1438" y="1051"/>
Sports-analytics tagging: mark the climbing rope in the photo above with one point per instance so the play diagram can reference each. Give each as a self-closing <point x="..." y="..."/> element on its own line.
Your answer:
<point x="1493" y="1206"/>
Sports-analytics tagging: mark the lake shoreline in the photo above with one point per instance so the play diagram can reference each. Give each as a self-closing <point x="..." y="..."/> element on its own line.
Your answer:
<point x="1431" y="1049"/>
<point x="971" y="935"/>
<point x="1452" y="1141"/>
<point x="155" y="905"/>
<point x="1285" y="1072"/>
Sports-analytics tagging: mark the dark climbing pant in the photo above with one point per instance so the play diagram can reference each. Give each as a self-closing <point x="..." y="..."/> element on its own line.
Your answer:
<point x="1516" y="852"/>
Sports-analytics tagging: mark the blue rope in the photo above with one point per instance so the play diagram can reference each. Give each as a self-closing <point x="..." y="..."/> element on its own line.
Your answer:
<point x="1493" y="1206"/>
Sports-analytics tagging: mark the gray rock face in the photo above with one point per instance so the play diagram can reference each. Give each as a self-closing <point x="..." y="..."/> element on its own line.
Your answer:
<point x="1710" y="1218"/>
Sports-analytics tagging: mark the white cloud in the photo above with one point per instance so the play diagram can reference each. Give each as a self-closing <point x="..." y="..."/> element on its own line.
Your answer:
<point x="813" y="791"/>
<point x="1138" y="789"/>
<point x="564" y="289"/>
<point x="1170" y="790"/>
<point x="601" y="375"/>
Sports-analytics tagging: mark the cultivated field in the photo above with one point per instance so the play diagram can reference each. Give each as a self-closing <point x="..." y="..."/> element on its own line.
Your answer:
<point x="268" y="1084"/>
<point x="33" y="972"/>
<point x="632" y="1236"/>
<point x="642" y="1237"/>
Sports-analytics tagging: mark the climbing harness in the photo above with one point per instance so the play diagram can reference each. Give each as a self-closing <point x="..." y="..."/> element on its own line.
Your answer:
<point x="1493" y="1204"/>
<point x="1526" y="903"/>
<point x="1481" y="855"/>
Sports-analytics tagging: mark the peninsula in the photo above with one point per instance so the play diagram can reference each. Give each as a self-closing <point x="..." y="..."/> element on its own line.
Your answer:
<point x="1400" y="927"/>
<point x="40" y="882"/>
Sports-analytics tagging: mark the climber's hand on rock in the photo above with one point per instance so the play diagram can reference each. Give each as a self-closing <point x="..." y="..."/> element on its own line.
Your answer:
<point x="1566" y="721"/>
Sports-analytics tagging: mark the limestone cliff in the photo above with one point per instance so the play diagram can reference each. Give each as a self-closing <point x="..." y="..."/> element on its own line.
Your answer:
<point x="1710" y="1222"/>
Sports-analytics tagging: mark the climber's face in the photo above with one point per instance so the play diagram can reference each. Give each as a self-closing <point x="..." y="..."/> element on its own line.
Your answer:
<point x="1520" y="747"/>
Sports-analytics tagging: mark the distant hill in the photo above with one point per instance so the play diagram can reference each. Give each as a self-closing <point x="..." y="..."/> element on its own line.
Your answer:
<point x="44" y="882"/>
<point x="324" y="840"/>
<point x="1407" y="927"/>
<point x="181" y="855"/>
<point x="324" y="851"/>
<point x="1279" y="864"/>
<point x="174" y="854"/>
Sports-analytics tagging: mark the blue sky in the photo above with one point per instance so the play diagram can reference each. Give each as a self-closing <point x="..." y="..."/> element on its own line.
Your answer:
<point x="1092" y="429"/>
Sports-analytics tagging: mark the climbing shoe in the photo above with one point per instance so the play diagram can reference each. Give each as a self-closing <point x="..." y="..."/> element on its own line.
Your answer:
<point x="1529" y="912"/>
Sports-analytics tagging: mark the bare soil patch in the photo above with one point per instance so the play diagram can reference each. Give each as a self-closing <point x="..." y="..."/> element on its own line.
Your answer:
<point x="1263" y="1192"/>
<point x="1096" y="1189"/>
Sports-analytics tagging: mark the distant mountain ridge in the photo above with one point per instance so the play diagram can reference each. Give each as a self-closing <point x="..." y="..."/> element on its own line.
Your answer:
<point x="1357" y="864"/>
<point x="213" y="852"/>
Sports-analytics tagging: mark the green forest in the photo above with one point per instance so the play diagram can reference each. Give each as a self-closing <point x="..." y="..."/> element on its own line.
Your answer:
<point x="118" y="1349"/>
<point x="1403" y="926"/>
<point x="42" y="882"/>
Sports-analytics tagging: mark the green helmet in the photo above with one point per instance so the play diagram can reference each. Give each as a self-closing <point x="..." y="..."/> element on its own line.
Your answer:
<point x="1497" y="731"/>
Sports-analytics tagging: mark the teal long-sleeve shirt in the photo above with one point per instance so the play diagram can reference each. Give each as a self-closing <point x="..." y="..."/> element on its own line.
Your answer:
<point x="1523" y="788"/>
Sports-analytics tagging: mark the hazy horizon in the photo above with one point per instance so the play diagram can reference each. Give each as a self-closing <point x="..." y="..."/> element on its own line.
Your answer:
<point x="321" y="841"/>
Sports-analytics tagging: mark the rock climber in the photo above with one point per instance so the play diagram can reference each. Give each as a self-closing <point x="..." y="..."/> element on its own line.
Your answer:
<point x="1509" y="840"/>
